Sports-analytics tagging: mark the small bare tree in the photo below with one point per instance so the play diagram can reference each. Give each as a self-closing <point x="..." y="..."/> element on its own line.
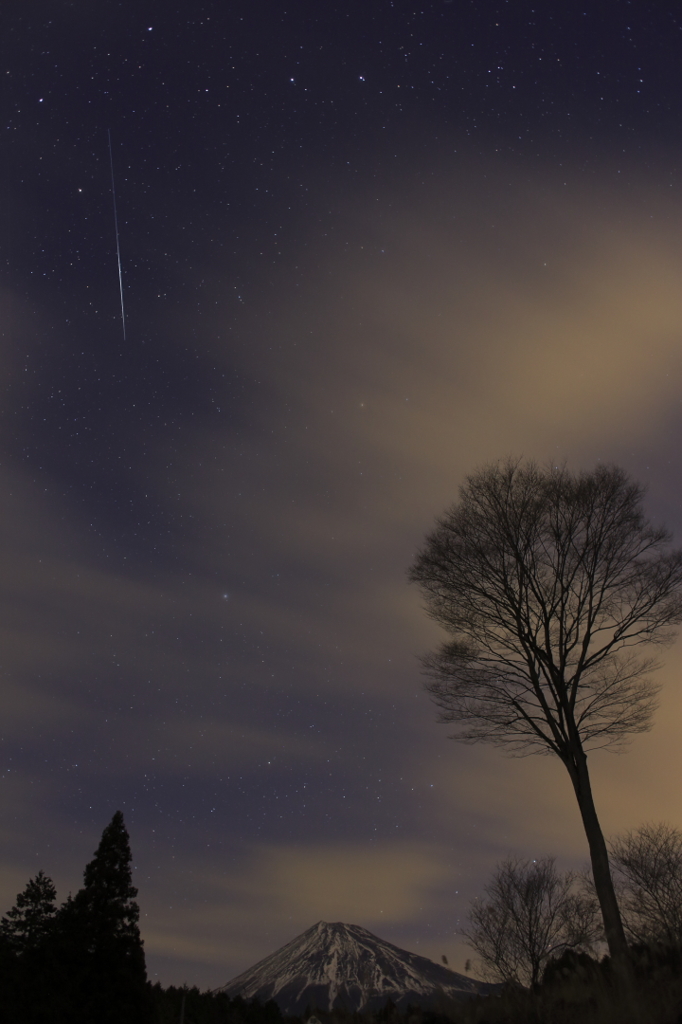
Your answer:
<point x="647" y="865"/>
<point x="530" y="914"/>
<point x="548" y="583"/>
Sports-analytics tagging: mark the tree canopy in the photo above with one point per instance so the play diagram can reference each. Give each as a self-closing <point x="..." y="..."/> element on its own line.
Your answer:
<point x="648" y="869"/>
<point x="548" y="583"/>
<point x="28" y="924"/>
<point x="530" y="914"/>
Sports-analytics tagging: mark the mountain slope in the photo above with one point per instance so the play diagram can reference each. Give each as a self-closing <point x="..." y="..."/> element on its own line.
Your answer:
<point x="343" y="965"/>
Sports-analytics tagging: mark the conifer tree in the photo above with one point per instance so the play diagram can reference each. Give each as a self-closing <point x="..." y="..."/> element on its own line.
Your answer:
<point x="26" y="954"/>
<point x="100" y="938"/>
<point x="28" y="924"/>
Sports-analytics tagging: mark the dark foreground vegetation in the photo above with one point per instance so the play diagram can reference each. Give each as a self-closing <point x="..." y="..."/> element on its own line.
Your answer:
<point x="576" y="989"/>
<point x="190" y="1006"/>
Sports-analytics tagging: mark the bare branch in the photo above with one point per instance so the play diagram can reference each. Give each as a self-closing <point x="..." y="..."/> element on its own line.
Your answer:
<point x="529" y="914"/>
<point x="648" y="865"/>
<point x="545" y="582"/>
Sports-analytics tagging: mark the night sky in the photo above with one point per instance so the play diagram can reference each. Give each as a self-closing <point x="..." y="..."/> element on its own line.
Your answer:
<point x="366" y="247"/>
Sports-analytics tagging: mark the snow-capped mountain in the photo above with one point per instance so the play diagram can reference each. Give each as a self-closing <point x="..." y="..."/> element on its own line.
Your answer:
<point x="343" y="965"/>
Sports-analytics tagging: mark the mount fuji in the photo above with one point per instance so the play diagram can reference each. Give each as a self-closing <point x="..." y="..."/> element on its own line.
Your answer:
<point x="344" y="966"/>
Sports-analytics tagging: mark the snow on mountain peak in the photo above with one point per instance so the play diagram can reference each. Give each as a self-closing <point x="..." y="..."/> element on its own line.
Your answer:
<point x="345" y="965"/>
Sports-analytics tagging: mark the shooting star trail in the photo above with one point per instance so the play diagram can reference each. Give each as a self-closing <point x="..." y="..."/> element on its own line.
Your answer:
<point x="118" y="248"/>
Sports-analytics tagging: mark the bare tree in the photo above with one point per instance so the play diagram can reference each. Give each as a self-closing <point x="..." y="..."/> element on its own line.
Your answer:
<point x="647" y="865"/>
<point x="530" y="914"/>
<point x="548" y="584"/>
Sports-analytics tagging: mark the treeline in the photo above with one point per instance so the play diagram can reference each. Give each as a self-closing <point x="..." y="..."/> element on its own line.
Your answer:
<point x="174" y="1005"/>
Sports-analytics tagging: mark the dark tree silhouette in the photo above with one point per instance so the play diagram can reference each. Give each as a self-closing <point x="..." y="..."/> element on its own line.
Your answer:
<point x="29" y="923"/>
<point x="529" y="914"/>
<point x="648" y="869"/>
<point x="26" y="937"/>
<point x="548" y="584"/>
<point x="101" y="948"/>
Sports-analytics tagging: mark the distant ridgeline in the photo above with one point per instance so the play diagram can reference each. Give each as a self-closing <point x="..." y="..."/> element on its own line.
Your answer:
<point x="345" y="967"/>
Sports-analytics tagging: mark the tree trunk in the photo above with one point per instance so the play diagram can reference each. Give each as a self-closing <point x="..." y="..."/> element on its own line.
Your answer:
<point x="601" y="872"/>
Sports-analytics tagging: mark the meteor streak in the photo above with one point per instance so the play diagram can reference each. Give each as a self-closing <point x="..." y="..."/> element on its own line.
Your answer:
<point x="118" y="248"/>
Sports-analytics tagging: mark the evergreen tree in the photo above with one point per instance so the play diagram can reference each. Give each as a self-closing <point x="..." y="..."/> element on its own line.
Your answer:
<point x="29" y="923"/>
<point x="104" y="973"/>
<point x="26" y="954"/>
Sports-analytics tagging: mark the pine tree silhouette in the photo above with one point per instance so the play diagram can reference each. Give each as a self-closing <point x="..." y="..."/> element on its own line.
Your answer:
<point x="104" y="977"/>
<point x="26" y="936"/>
<point x="29" y="923"/>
